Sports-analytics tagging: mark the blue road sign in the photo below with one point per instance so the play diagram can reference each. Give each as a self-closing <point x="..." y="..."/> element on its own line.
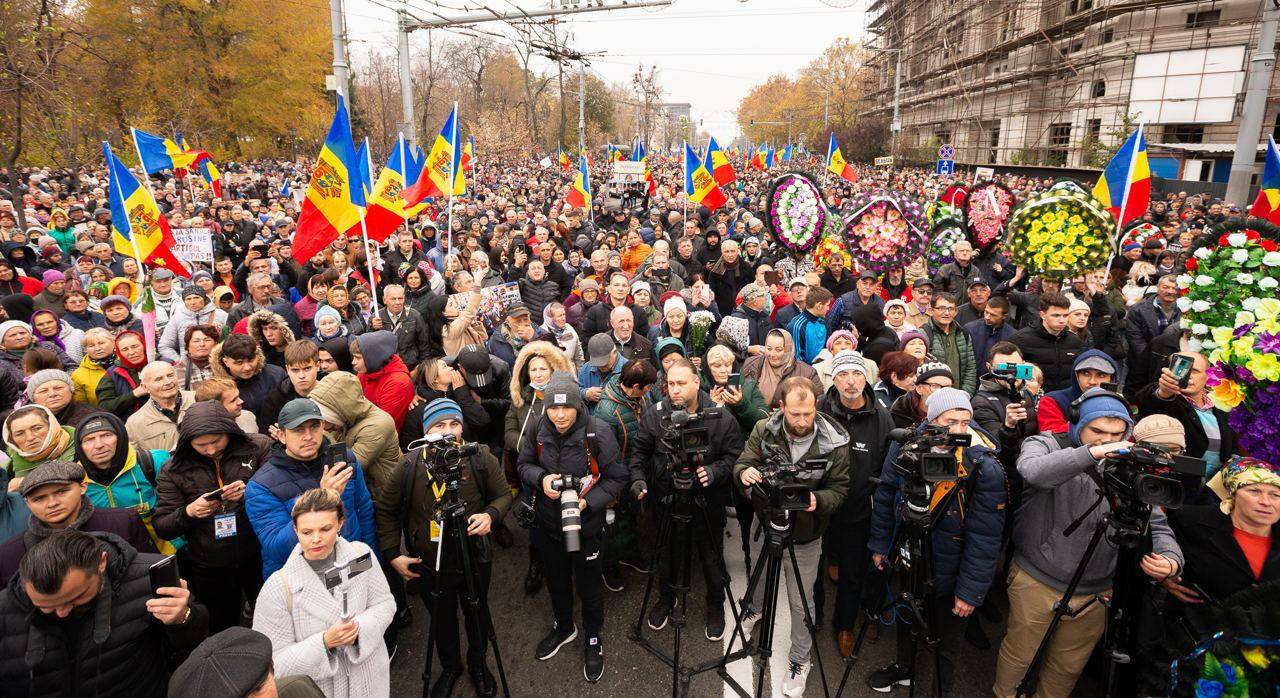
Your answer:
<point x="946" y="167"/>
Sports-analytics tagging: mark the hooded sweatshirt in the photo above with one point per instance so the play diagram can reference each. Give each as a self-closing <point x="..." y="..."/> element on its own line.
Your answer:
<point x="1051" y="414"/>
<point x="386" y="380"/>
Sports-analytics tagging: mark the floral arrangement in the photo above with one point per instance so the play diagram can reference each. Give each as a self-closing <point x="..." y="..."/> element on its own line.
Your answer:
<point x="1139" y="232"/>
<point x="700" y="322"/>
<point x="796" y="212"/>
<point x="946" y="228"/>
<point x="886" y="230"/>
<point x="1060" y="233"/>
<point x="830" y="246"/>
<point x="1251" y="670"/>
<point x="987" y="208"/>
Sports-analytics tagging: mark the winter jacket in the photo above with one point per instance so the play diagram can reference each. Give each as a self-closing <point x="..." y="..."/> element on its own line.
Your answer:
<point x="269" y="498"/>
<point x="537" y="295"/>
<point x="273" y="354"/>
<point x="621" y="413"/>
<point x="984" y="337"/>
<point x="544" y="451"/>
<point x="830" y="484"/>
<point x="591" y="377"/>
<point x="13" y="510"/>
<point x="758" y="324"/>
<point x="1055" y="355"/>
<point x="1058" y="491"/>
<point x="86" y="379"/>
<point x="1145" y="321"/>
<point x="115" y="391"/>
<point x="475" y="418"/>
<point x="868" y="428"/>
<point x="810" y="334"/>
<point x="368" y="431"/>
<point x="596" y="320"/>
<point x="172" y="345"/>
<point x="84" y="320"/>
<point x="649" y="462"/>
<point x="386" y="381"/>
<point x="411" y="334"/>
<point x="19" y="465"/>
<point x="11" y="363"/>
<point x="752" y="367"/>
<point x="121" y="522"/>
<point x="966" y="539"/>
<point x="134" y="487"/>
<point x="150" y="430"/>
<point x="190" y="475"/>
<point x="1053" y="411"/>
<point x="954" y="279"/>
<point x="840" y="316"/>
<point x="295" y="608"/>
<point x="526" y="404"/>
<point x="252" y="390"/>
<point x="955" y="349"/>
<point x="989" y="405"/>
<point x="120" y="648"/>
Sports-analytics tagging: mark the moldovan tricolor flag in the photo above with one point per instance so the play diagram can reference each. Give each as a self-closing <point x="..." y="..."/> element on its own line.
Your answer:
<point x="699" y="186"/>
<point x="721" y="170"/>
<point x="1125" y="185"/>
<point x="562" y="158"/>
<point x="836" y="164"/>
<point x="164" y="154"/>
<point x="1267" y="205"/>
<point x="334" y="195"/>
<point x="580" y="194"/>
<point x="468" y="154"/>
<point x="139" y="227"/>
<point x="441" y="164"/>
<point x="757" y="158"/>
<point x="386" y="209"/>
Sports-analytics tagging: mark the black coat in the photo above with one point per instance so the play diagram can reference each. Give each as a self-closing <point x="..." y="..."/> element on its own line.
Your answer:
<point x="1054" y="355"/>
<point x="1149" y="403"/>
<point x="411" y="334"/>
<point x="597" y="320"/>
<point x="1142" y="326"/>
<point x="544" y="450"/>
<point x="120" y="648"/>
<point x="868" y="430"/>
<point x="122" y="522"/>
<point x="1215" y="561"/>
<point x="648" y="460"/>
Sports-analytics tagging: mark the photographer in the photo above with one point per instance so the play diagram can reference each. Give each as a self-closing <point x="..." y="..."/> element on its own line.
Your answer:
<point x="815" y="442"/>
<point x="1186" y="399"/>
<point x="1059" y="472"/>
<point x="965" y="536"/>
<point x="409" y="504"/>
<point x="566" y="441"/>
<point x="657" y="456"/>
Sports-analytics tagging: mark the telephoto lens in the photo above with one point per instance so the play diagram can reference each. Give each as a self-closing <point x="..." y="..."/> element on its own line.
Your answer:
<point x="571" y="520"/>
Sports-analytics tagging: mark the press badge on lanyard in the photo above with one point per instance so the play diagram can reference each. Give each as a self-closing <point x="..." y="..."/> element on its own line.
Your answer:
<point x="224" y="525"/>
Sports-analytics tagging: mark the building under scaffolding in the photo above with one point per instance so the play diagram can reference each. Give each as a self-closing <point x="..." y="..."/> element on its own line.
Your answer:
<point x="1047" y="82"/>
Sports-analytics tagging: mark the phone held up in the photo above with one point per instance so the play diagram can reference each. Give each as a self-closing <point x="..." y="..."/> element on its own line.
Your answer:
<point x="335" y="453"/>
<point x="1180" y="366"/>
<point x="164" y="574"/>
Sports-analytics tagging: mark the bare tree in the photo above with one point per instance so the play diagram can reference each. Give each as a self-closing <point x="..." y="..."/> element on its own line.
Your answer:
<point x="649" y="94"/>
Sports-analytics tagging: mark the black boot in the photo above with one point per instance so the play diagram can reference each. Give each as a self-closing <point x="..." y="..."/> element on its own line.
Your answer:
<point x="533" y="578"/>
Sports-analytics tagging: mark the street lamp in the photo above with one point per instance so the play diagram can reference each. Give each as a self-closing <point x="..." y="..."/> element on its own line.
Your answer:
<point x="896" y="125"/>
<point x="775" y="123"/>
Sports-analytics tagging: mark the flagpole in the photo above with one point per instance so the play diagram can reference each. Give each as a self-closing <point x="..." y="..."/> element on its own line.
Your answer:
<point x="453" y="152"/>
<point x="684" y="155"/>
<point x="404" y="176"/>
<point x="1124" y="203"/>
<point x="146" y="181"/>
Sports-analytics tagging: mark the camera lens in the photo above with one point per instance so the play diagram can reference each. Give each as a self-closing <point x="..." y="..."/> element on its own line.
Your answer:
<point x="571" y="520"/>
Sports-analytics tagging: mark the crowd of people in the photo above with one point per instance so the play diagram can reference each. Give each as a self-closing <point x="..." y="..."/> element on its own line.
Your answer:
<point x="278" y="427"/>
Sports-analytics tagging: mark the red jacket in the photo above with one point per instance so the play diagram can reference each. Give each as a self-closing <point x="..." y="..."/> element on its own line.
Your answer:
<point x="390" y="388"/>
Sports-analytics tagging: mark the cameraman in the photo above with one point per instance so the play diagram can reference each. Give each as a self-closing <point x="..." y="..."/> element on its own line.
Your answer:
<point x="965" y="537"/>
<point x="1059" y="471"/>
<point x="723" y="441"/>
<point x="806" y="437"/>
<point x="407" y="504"/>
<point x="566" y="440"/>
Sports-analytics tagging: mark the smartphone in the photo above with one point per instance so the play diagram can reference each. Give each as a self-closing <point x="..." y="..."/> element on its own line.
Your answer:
<point x="335" y="453"/>
<point x="1180" y="366"/>
<point x="164" y="574"/>
<point x="214" y="495"/>
<point x="771" y="277"/>
<point x="735" y="380"/>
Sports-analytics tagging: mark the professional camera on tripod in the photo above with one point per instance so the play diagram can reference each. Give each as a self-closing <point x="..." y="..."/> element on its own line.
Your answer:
<point x="686" y="440"/>
<point x="781" y="487"/>
<point x="1145" y="476"/>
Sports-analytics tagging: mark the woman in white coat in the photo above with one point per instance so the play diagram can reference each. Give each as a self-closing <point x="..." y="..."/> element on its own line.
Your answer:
<point x="310" y="632"/>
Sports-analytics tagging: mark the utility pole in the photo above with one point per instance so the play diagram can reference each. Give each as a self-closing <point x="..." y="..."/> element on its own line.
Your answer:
<point x="406" y="80"/>
<point x="896" y="125"/>
<point x="560" y="56"/>
<point x="1255" y="103"/>
<point x="582" y="105"/>
<point x="337" y="23"/>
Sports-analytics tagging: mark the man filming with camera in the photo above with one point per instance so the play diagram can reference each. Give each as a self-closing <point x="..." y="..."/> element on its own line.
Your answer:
<point x="412" y="503"/>
<point x="685" y="443"/>
<point x="1061" y="472"/>
<point x="796" y="445"/>
<point x="570" y="459"/>
<point x="943" y="482"/>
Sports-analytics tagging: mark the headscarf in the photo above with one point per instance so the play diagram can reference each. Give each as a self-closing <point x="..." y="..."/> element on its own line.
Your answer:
<point x="340" y="349"/>
<point x="770" y="377"/>
<point x="837" y="335"/>
<point x="120" y="360"/>
<point x="55" y="339"/>
<point x="1238" y="472"/>
<point x="55" y="442"/>
<point x="734" y="331"/>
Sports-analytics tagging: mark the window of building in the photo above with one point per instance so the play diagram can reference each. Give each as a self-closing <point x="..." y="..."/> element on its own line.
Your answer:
<point x="1184" y="133"/>
<point x="1059" y="141"/>
<point x="1075" y="46"/>
<point x="1108" y="35"/>
<point x="1275" y="128"/>
<point x="943" y="135"/>
<point x="1098" y="89"/>
<point x="1079" y="6"/>
<point x="1200" y="20"/>
<point x="1094" y="128"/>
<point x="1008" y="24"/>
<point x="993" y="142"/>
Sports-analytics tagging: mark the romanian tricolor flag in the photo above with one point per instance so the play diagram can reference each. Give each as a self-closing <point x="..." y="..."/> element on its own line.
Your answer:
<point x="757" y="158"/>
<point x="721" y="170"/>
<point x="563" y="158"/>
<point x="699" y="185"/>
<point x="580" y="193"/>
<point x="385" y="212"/>
<point x="617" y="155"/>
<point x="836" y="164"/>
<point x="164" y="154"/>
<point x="334" y="195"/>
<point x="1267" y="205"/>
<point x="1125" y="185"/>
<point x="139" y="228"/>
<point x="440" y="167"/>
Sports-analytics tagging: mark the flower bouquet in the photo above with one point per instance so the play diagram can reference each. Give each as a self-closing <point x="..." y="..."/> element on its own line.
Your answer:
<point x="886" y="230"/>
<point x="797" y="215"/>
<point x="700" y="322"/>
<point x="1059" y="233"/>
<point x="987" y="208"/>
<point x="946" y="228"/>
<point x="1139" y="232"/>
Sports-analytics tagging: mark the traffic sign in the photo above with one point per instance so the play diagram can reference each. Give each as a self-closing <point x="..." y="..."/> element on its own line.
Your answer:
<point x="946" y="152"/>
<point x="945" y="167"/>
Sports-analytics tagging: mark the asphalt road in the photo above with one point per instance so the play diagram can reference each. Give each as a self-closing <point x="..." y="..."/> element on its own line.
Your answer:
<point x="522" y="621"/>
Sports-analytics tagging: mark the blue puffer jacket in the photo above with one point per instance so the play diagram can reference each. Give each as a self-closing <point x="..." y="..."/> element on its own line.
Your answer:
<point x="966" y="539"/>
<point x="810" y="335"/>
<point x="269" y="498"/>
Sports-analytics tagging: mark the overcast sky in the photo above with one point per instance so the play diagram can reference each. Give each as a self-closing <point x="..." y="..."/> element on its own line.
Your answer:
<point x="708" y="52"/>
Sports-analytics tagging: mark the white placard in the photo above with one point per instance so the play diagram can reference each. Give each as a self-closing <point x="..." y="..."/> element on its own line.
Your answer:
<point x="193" y="245"/>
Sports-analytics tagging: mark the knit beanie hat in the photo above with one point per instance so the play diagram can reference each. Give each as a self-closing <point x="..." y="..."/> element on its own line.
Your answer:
<point x="933" y="369"/>
<point x="43" y="376"/>
<point x="908" y="336"/>
<point x="947" y="399"/>
<point x="674" y="302"/>
<point x="438" y="410"/>
<point x="1097" y="404"/>
<point x="327" y="311"/>
<point x="10" y="325"/>
<point x="848" y="360"/>
<point x="1077" y="304"/>
<point x="52" y="276"/>
<point x="562" y="391"/>
<point x="1160" y="429"/>
<point x="669" y="345"/>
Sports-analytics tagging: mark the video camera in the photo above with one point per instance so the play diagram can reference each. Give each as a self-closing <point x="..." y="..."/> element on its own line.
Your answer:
<point x="781" y="485"/>
<point x="446" y="456"/>
<point x="1149" y="474"/>
<point x="570" y="511"/>
<point x="686" y="439"/>
<point x="928" y="456"/>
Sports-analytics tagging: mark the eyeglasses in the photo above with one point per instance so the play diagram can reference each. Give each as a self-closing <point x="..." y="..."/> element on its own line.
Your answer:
<point x="933" y="386"/>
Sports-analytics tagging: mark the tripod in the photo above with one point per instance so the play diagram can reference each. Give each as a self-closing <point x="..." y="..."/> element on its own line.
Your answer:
<point x="454" y="545"/>
<point x="677" y="526"/>
<point x="912" y="566"/>
<point x="777" y="542"/>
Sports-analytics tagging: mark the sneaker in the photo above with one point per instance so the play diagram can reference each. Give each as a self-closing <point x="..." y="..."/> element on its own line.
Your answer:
<point x="795" y="679"/>
<point x="592" y="660"/>
<point x="554" y="641"/>
<point x="885" y="679"/>
<point x="636" y="563"/>
<point x="749" y="620"/>
<point x="659" y="614"/>
<point x="715" y="622"/>
<point x="612" y="578"/>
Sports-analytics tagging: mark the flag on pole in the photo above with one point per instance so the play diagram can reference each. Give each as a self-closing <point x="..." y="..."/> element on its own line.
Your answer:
<point x="638" y="154"/>
<point x="757" y="158"/>
<point x="468" y="154"/>
<point x="386" y="207"/>
<point x="699" y="186"/>
<point x="580" y="194"/>
<point x="1125" y="185"/>
<point x="1267" y="205"/>
<point x="836" y="164"/>
<point x="719" y="165"/>
<point x="334" y="194"/>
<point x="211" y="176"/>
<point x="164" y="153"/>
<point x="440" y="164"/>
<point x="770" y="158"/>
<point x="366" y="169"/>
<point x="139" y="229"/>
<point x="786" y="154"/>
<point x="285" y="191"/>
<point x="562" y="158"/>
